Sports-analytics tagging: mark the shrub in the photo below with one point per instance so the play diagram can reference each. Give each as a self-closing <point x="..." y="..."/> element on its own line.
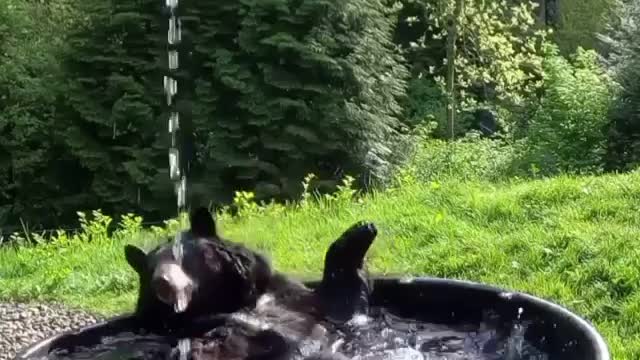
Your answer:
<point x="566" y="130"/>
<point x="468" y="158"/>
<point x="579" y="21"/>
<point x="624" y="63"/>
<point x="425" y="101"/>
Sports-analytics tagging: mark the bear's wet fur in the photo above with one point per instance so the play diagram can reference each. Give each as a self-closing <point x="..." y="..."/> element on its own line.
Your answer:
<point x="229" y="277"/>
<point x="242" y="308"/>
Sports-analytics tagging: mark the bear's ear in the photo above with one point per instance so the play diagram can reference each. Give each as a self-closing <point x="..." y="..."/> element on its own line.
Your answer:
<point x="136" y="258"/>
<point x="202" y="224"/>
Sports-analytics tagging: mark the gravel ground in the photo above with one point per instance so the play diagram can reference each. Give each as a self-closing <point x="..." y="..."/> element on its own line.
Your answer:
<point x="23" y="324"/>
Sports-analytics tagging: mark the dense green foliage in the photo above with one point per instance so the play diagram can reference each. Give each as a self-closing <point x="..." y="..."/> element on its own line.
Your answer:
<point x="34" y="182"/>
<point x="567" y="128"/>
<point x="268" y="90"/>
<point x="565" y="239"/>
<point x="624" y="61"/>
<point x="497" y="64"/>
<point x="580" y="21"/>
<point x="271" y="91"/>
<point x="110" y="112"/>
<point x="294" y="87"/>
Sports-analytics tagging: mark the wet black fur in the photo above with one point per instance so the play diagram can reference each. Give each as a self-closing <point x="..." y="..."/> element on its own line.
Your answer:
<point x="232" y="278"/>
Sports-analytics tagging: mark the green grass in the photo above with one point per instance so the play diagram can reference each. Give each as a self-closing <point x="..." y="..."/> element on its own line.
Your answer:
<point x="570" y="240"/>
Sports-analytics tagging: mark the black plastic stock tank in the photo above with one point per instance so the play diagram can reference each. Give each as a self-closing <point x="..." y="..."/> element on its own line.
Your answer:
<point x="551" y="328"/>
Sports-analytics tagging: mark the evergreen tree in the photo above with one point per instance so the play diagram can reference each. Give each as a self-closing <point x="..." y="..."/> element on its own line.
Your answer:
<point x="113" y="119"/>
<point x="268" y="91"/>
<point x="36" y="173"/>
<point x="624" y="62"/>
<point x="290" y="87"/>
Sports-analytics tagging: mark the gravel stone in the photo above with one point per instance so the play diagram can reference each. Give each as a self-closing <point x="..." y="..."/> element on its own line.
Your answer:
<point x="22" y="324"/>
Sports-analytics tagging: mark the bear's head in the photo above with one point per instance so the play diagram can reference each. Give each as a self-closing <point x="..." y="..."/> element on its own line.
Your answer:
<point x="198" y="273"/>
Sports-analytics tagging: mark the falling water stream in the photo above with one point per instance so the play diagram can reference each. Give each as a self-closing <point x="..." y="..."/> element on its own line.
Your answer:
<point x="174" y="37"/>
<point x="171" y="89"/>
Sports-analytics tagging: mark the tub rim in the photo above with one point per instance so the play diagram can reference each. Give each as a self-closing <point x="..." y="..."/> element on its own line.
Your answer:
<point x="595" y="339"/>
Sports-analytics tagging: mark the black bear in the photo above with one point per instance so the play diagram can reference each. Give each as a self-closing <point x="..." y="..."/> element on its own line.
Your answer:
<point x="207" y="285"/>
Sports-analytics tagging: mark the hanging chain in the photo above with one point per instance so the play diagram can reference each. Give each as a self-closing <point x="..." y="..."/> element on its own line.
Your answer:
<point x="174" y="37"/>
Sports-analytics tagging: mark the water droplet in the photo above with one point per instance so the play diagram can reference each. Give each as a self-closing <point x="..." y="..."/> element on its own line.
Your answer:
<point x="184" y="346"/>
<point x="174" y="170"/>
<point x="173" y="34"/>
<point x="406" y="280"/>
<point x="173" y="59"/>
<point x="181" y="192"/>
<point x="506" y="295"/>
<point x="177" y="249"/>
<point x="174" y="122"/>
<point x="181" y="303"/>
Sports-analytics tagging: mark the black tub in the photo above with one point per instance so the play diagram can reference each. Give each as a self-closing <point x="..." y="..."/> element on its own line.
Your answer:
<point x="554" y="330"/>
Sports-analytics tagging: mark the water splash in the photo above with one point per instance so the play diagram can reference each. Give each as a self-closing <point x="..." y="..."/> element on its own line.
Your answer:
<point x="359" y="320"/>
<point x="183" y="349"/>
<point x="392" y="337"/>
<point x="386" y="337"/>
<point x="123" y="346"/>
<point x="181" y="302"/>
<point x="515" y="342"/>
<point x="177" y="248"/>
<point x="516" y="345"/>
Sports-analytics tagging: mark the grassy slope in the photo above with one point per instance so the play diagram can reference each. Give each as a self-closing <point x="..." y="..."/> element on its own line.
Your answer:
<point x="569" y="240"/>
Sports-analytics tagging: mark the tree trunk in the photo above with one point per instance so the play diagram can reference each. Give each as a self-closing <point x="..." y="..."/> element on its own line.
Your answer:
<point x="452" y="33"/>
<point x="542" y="12"/>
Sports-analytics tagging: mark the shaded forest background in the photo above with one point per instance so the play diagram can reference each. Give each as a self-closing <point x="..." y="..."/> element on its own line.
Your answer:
<point x="270" y="91"/>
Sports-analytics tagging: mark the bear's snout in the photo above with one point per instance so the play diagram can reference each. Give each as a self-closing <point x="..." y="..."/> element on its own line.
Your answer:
<point x="173" y="286"/>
